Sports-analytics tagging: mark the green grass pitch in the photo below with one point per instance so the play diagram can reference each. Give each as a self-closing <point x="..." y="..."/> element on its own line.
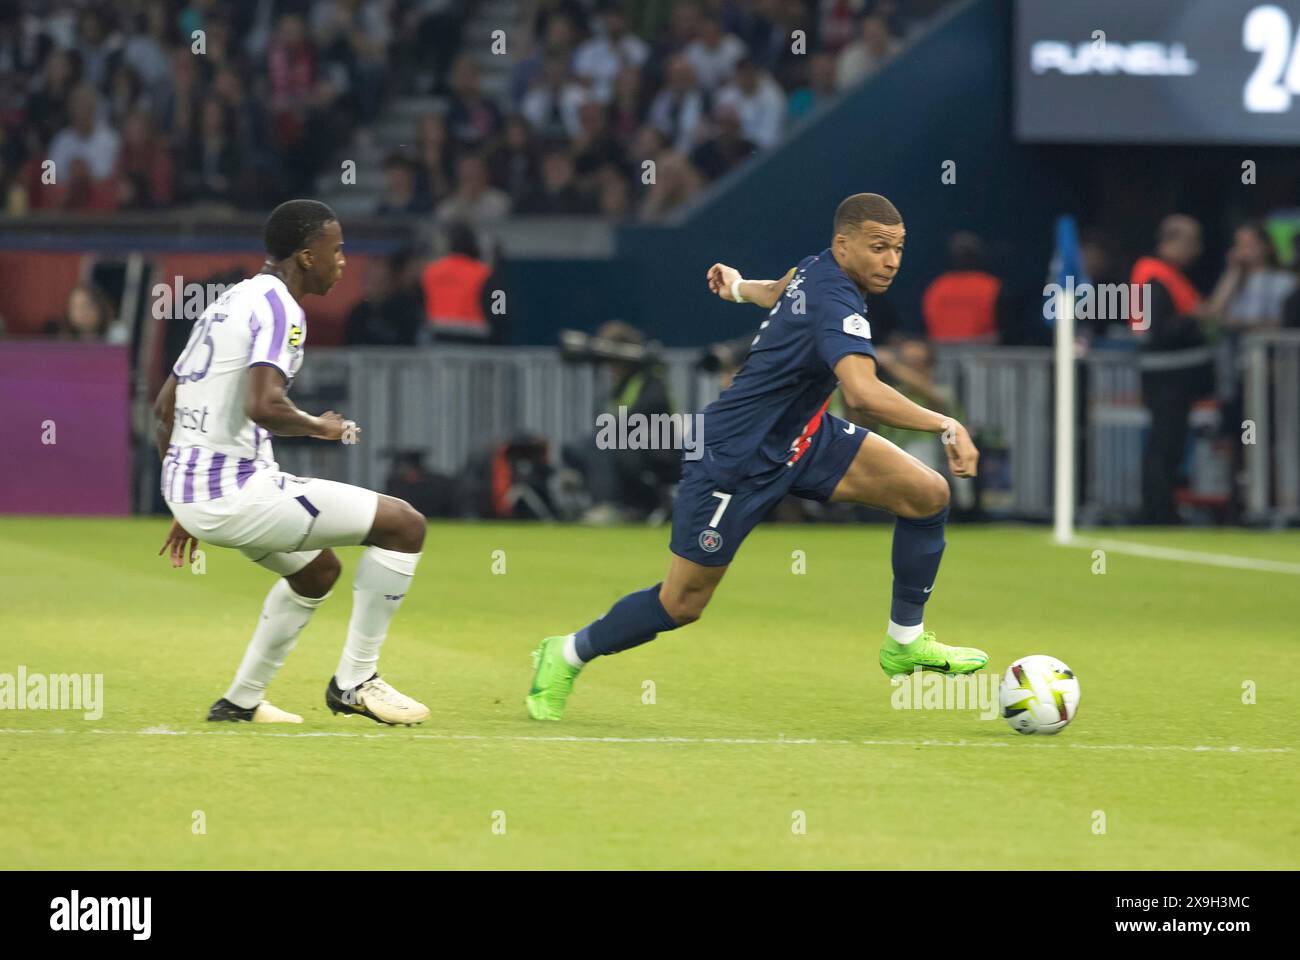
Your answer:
<point x="768" y="715"/>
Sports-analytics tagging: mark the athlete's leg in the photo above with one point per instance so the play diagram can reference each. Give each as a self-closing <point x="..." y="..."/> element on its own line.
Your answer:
<point x="884" y="476"/>
<point x="881" y="475"/>
<point x="709" y="524"/>
<point x="323" y="513"/>
<point x="636" y="619"/>
<point x="687" y="589"/>
<point x="383" y="577"/>
<point x="306" y="580"/>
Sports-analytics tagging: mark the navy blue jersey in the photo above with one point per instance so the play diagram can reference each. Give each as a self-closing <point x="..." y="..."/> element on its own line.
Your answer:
<point x="766" y="418"/>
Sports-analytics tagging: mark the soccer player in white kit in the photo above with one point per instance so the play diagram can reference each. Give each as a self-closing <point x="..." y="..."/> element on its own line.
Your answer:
<point x="225" y="398"/>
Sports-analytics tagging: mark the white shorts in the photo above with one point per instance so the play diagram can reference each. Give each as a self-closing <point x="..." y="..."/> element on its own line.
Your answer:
<point x="281" y="521"/>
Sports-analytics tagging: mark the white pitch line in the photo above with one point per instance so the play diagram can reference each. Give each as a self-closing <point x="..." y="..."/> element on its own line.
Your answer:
<point x="1188" y="556"/>
<point x="735" y="741"/>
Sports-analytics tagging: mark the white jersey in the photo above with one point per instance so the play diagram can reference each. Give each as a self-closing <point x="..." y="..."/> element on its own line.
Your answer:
<point x="214" y="447"/>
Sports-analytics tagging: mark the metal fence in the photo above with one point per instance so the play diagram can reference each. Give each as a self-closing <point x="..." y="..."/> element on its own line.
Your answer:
<point x="455" y="402"/>
<point x="1271" y="384"/>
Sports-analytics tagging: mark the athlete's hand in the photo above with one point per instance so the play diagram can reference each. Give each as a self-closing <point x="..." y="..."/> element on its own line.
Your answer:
<point x="334" y="426"/>
<point x="963" y="458"/>
<point x="721" y="277"/>
<point x="177" y="538"/>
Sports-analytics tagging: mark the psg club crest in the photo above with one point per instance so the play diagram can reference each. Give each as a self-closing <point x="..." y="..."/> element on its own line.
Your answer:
<point x="710" y="541"/>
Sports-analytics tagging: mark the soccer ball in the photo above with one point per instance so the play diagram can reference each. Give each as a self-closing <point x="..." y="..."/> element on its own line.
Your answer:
<point x="1039" y="695"/>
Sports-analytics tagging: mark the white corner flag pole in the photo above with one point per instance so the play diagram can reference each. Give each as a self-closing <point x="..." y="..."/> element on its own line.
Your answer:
<point x="1063" y="507"/>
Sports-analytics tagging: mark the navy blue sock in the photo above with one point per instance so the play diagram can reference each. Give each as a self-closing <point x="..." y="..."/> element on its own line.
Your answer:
<point x="634" y="620"/>
<point x="918" y="548"/>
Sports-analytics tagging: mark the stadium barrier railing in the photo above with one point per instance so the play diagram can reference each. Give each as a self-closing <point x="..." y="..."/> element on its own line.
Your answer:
<point x="455" y="402"/>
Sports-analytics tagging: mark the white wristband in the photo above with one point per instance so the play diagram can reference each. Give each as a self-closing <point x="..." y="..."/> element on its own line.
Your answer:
<point x="735" y="290"/>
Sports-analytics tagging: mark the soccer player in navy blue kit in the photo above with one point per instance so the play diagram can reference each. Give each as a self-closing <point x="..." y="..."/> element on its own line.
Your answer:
<point x="769" y="435"/>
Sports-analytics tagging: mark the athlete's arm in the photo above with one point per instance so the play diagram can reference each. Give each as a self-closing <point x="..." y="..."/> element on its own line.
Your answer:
<point x="864" y="390"/>
<point x="268" y="406"/>
<point x="164" y="409"/>
<point x="765" y="293"/>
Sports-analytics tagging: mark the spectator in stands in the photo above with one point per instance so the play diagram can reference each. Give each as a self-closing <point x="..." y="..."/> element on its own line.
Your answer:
<point x="614" y="195"/>
<point x="146" y="49"/>
<point x="628" y="110"/>
<point x="551" y="104"/>
<point x="714" y="55"/>
<point x="475" y="200"/>
<point x="291" y="64"/>
<point x="86" y="137"/>
<point x="557" y="194"/>
<point x="514" y="161"/>
<point x="675" y="180"/>
<point x="961" y="305"/>
<point x="818" y="91"/>
<point x="548" y="12"/>
<point x="91" y="46"/>
<point x="146" y="165"/>
<point x="181" y="100"/>
<point x="85" y="155"/>
<point x="1251" y="295"/>
<point x="758" y="102"/>
<point x="85" y="318"/>
<point x="47" y="105"/>
<point x="457" y="295"/>
<point x="1173" y="361"/>
<point x="390" y="312"/>
<point x="435" y="26"/>
<point x="471" y="117"/>
<point x="1253" y="287"/>
<point x="838" y="23"/>
<point x="213" y="163"/>
<point x="355" y="35"/>
<point x="679" y="107"/>
<point x="868" y="54"/>
<point x="402" y="190"/>
<point x="727" y="148"/>
<point x="437" y="157"/>
<point x="685" y="22"/>
<point x="613" y="47"/>
<point x="595" y="146"/>
<point x="559" y="38"/>
<point x="124" y="93"/>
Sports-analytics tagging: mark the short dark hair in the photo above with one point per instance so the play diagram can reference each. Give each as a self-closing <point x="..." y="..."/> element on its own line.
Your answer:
<point x="855" y="210"/>
<point x="293" y="225"/>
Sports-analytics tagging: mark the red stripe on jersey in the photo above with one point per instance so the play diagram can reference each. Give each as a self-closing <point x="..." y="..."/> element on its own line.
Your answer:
<point x="806" y="438"/>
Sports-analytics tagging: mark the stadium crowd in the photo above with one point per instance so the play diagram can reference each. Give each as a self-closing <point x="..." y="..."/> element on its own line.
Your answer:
<point x="149" y="104"/>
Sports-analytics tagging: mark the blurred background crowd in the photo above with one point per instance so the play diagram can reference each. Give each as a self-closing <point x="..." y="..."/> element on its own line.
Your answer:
<point x="147" y="104"/>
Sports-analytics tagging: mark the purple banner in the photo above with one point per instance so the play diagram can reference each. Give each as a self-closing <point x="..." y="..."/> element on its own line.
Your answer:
<point x="65" y="444"/>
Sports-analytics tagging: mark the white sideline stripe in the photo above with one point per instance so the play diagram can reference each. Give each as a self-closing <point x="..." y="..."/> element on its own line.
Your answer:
<point x="1188" y="556"/>
<point x="742" y="741"/>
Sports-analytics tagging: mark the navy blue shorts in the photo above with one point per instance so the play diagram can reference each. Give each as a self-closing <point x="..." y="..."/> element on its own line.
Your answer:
<point x="710" y="522"/>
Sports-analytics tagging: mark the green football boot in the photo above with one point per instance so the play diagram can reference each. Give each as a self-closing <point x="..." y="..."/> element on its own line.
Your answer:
<point x="927" y="653"/>
<point x="552" y="680"/>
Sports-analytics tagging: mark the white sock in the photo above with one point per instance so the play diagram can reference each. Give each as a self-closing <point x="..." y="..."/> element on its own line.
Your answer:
<point x="284" y="614"/>
<point x="904" y="635"/>
<point x="571" y="651"/>
<point x="382" y="579"/>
